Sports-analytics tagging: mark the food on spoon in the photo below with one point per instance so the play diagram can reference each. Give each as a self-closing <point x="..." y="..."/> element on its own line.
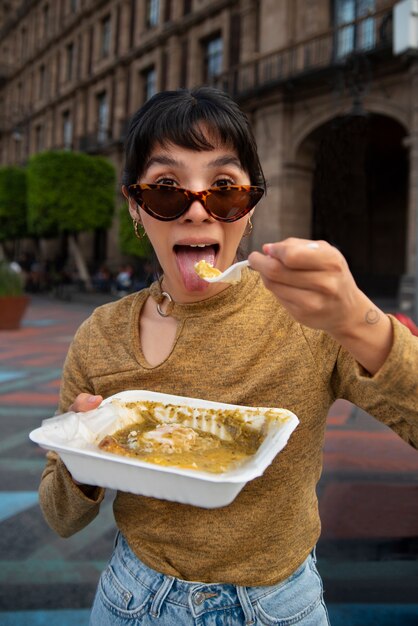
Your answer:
<point x="212" y="440"/>
<point x="206" y="270"/>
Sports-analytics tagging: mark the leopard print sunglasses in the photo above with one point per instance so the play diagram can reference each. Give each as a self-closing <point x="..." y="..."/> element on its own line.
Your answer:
<point x="227" y="203"/>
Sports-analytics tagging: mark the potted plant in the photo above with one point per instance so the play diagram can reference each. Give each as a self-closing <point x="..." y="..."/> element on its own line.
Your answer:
<point x="13" y="301"/>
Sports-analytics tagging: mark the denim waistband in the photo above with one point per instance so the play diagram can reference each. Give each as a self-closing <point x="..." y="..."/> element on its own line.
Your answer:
<point x="191" y="594"/>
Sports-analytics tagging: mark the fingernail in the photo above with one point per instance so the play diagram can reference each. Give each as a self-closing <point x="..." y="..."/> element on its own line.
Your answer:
<point x="267" y="248"/>
<point x="92" y="399"/>
<point x="312" y="245"/>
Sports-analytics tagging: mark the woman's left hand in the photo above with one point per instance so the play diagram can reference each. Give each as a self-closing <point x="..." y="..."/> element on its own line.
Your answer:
<point x="314" y="283"/>
<point x="311" y="279"/>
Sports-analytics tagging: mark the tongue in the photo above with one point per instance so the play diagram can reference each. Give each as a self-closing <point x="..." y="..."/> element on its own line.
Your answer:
<point x="186" y="259"/>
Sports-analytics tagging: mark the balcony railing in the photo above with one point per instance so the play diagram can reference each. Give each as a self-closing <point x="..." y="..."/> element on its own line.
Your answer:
<point x="371" y="33"/>
<point x="95" y="142"/>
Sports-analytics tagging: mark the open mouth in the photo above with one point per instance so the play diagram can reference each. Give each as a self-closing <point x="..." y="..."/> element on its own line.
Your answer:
<point x="188" y="255"/>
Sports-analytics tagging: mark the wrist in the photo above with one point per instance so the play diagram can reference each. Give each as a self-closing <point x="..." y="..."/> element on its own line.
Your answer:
<point x="367" y="334"/>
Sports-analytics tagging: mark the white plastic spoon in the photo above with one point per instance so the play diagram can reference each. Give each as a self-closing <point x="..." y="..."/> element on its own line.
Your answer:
<point x="231" y="275"/>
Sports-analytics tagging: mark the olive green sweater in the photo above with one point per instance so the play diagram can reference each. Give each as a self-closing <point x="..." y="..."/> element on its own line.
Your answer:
<point x="239" y="347"/>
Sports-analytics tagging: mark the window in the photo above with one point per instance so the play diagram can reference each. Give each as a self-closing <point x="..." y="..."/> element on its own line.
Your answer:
<point x="164" y="70"/>
<point x="57" y="72"/>
<point x="23" y="42"/>
<point x="102" y="117"/>
<point x="19" y="96"/>
<point x="234" y="38"/>
<point x="153" y="10"/>
<point x="41" y="84"/>
<point x="5" y="53"/>
<point x="105" y="45"/>
<point x="32" y="84"/>
<point x="67" y="130"/>
<point x="39" y="138"/>
<point x="90" y="51"/>
<point x="45" y="20"/>
<point x="354" y="36"/>
<point x="167" y="10"/>
<point x="18" y="145"/>
<point x="213" y="57"/>
<point x="187" y="7"/>
<point x="149" y="77"/>
<point x="184" y="62"/>
<point x="70" y="61"/>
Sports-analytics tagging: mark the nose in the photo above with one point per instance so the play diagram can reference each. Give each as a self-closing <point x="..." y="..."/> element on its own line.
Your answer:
<point x="197" y="213"/>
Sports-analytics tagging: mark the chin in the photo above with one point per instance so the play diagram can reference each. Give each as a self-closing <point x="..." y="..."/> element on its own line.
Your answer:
<point x="198" y="288"/>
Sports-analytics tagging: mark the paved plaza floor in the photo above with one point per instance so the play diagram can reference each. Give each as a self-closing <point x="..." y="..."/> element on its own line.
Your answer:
<point x="368" y="495"/>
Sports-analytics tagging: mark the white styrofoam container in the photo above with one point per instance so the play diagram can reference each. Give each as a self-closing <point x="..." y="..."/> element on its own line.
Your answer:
<point x="89" y="465"/>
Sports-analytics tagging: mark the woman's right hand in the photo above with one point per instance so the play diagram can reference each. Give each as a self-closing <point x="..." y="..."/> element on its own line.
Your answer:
<point x="85" y="402"/>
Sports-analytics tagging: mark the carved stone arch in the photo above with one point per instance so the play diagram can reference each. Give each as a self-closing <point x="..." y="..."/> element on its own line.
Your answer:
<point x="307" y="127"/>
<point x="354" y="192"/>
<point x="384" y="106"/>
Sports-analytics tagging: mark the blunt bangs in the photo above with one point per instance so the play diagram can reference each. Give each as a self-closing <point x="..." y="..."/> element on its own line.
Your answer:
<point x="198" y="119"/>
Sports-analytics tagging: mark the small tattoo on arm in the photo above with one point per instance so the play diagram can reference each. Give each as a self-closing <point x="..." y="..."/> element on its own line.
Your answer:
<point x="372" y="316"/>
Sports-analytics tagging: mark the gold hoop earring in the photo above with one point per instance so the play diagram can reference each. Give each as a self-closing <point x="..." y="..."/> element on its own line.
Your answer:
<point x="137" y="225"/>
<point x="248" y="228"/>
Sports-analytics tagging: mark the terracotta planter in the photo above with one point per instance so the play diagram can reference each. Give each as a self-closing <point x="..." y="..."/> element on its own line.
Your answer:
<point x="12" y="310"/>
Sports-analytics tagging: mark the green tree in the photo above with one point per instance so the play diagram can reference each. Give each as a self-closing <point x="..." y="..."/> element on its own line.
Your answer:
<point x="13" y="215"/>
<point x="70" y="192"/>
<point x="128" y="242"/>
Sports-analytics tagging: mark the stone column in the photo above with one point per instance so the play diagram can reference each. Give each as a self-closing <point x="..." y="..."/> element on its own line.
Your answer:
<point x="413" y="173"/>
<point x="249" y="29"/>
<point x="286" y="211"/>
<point x="411" y="234"/>
<point x="173" y="49"/>
<point x="120" y="95"/>
<point x="408" y="295"/>
<point x="296" y="214"/>
<point x="268" y="130"/>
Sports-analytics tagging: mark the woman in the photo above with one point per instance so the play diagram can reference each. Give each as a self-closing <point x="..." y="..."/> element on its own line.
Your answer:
<point x="296" y="332"/>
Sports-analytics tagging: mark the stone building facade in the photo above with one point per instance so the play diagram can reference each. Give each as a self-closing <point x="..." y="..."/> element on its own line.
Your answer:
<point x="332" y="105"/>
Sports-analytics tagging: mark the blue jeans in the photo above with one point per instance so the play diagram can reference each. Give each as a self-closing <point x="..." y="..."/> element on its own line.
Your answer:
<point x="130" y="593"/>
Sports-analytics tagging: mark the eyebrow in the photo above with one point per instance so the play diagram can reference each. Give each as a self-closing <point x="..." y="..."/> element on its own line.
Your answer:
<point x="162" y="160"/>
<point x="227" y="159"/>
<point x="169" y="161"/>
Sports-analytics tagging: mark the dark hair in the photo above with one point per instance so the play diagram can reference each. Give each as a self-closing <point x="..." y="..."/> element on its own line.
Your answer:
<point x="177" y="117"/>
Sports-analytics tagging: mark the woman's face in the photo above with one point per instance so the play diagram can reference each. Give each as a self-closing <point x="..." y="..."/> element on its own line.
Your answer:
<point x="195" y="235"/>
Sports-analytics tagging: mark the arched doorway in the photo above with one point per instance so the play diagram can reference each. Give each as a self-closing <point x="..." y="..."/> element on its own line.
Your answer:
<point x="359" y="197"/>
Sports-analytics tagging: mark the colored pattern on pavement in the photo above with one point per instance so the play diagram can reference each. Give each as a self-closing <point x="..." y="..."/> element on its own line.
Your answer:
<point x="367" y="554"/>
<point x="368" y="502"/>
<point x="39" y="570"/>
